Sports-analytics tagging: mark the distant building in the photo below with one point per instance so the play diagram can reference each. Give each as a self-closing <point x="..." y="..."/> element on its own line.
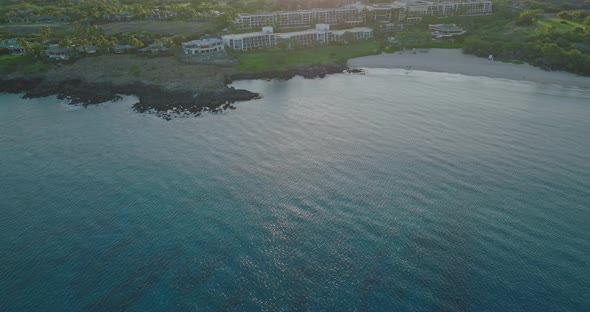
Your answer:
<point x="267" y="38"/>
<point x="445" y="30"/>
<point x="385" y="12"/>
<point x="123" y="48"/>
<point x="250" y="41"/>
<point x="155" y="48"/>
<point x="12" y="46"/>
<point x="203" y="47"/>
<point x="158" y="14"/>
<point x="245" y="20"/>
<point x="356" y="13"/>
<point x="87" y="49"/>
<point x="56" y="52"/>
<point x="297" y="18"/>
<point x="449" y="8"/>
<point x="119" y="16"/>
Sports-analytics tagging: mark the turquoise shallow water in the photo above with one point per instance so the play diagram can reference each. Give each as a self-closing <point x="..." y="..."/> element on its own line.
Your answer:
<point x="383" y="192"/>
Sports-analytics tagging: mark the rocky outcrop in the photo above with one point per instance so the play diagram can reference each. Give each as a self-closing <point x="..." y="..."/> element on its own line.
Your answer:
<point x="19" y="85"/>
<point x="153" y="99"/>
<point x="307" y="72"/>
<point x="168" y="104"/>
<point x="76" y="91"/>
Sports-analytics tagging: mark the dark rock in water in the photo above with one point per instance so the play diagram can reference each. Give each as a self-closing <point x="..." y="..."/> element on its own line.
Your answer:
<point x="155" y="99"/>
<point x="160" y="100"/>
<point x="307" y="72"/>
<point x="165" y="103"/>
<point x="76" y="91"/>
<point x="355" y="71"/>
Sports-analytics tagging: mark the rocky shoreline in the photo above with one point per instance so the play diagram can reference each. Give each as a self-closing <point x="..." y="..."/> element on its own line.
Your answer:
<point x="307" y="72"/>
<point x="152" y="98"/>
<point x="155" y="99"/>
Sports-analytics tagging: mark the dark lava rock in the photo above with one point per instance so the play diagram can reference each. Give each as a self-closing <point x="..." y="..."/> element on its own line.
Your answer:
<point x="183" y="101"/>
<point x="19" y="85"/>
<point x="355" y="71"/>
<point x="151" y="98"/>
<point x="307" y="72"/>
<point x="76" y="91"/>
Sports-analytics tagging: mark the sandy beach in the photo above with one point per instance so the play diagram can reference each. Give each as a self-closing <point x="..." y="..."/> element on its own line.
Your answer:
<point x="454" y="61"/>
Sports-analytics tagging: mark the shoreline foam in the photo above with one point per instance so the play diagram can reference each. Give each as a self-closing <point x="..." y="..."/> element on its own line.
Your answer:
<point x="454" y="61"/>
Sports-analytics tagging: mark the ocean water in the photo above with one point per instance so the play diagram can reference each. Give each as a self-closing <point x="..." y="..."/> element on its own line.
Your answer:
<point x="390" y="191"/>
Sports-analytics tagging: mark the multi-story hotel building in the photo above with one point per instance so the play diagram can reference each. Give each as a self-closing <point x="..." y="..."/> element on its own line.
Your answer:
<point x="246" y="20"/>
<point x="203" y="47"/>
<point x="356" y="13"/>
<point x="267" y="38"/>
<point x="449" y="8"/>
<point x="251" y="41"/>
<point x="297" y="18"/>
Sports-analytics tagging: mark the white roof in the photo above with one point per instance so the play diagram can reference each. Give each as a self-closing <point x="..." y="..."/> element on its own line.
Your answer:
<point x="297" y="33"/>
<point x="245" y="35"/>
<point x="356" y="29"/>
<point x="202" y="42"/>
<point x="255" y="14"/>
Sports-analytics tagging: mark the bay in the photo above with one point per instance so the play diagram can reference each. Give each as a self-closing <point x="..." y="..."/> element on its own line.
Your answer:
<point x="391" y="191"/>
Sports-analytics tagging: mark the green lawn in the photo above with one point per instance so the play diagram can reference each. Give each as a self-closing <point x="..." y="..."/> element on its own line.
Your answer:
<point x="10" y="63"/>
<point x="548" y="22"/>
<point x="159" y="27"/>
<point x="279" y="60"/>
<point x="15" y="60"/>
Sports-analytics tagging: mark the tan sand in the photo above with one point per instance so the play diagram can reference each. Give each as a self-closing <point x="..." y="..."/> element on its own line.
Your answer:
<point x="454" y="61"/>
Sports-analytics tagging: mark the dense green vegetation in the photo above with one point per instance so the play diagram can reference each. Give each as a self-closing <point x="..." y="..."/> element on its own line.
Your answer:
<point x="281" y="58"/>
<point x="552" y="34"/>
<point x="101" y="11"/>
<point x="531" y="36"/>
<point x="554" y="6"/>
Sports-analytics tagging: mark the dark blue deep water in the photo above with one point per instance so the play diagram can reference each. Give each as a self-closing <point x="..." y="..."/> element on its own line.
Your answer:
<point x="383" y="192"/>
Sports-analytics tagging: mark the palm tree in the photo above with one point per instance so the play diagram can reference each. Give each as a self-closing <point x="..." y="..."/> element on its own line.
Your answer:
<point x="44" y="34"/>
<point x="103" y="43"/>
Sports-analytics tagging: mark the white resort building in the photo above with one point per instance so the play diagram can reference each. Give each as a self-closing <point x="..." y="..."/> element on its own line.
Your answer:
<point x="440" y="31"/>
<point x="449" y="8"/>
<point x="267" y="38"/>
<point x="298" y="18"/>
<point x="251" y="41"/>
<point x="203" y="47"/>
<point x="357" y="13"/>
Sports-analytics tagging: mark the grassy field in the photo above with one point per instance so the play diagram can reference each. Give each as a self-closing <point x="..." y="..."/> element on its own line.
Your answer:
<point x="277" y="59"/>
<point x="559" y="26"/>
<point x="158" y="27"/>
<point x="22" y="30"/>
<point x="12" y="63"/>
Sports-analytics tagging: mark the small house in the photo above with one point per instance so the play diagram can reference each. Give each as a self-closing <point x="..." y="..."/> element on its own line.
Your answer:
<point x="123" y="48"/>
<point x="88" y="49"/>
<point x="13" y="47"/>
<point x="58" y="53"/>
<point x="155" y="48"/>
